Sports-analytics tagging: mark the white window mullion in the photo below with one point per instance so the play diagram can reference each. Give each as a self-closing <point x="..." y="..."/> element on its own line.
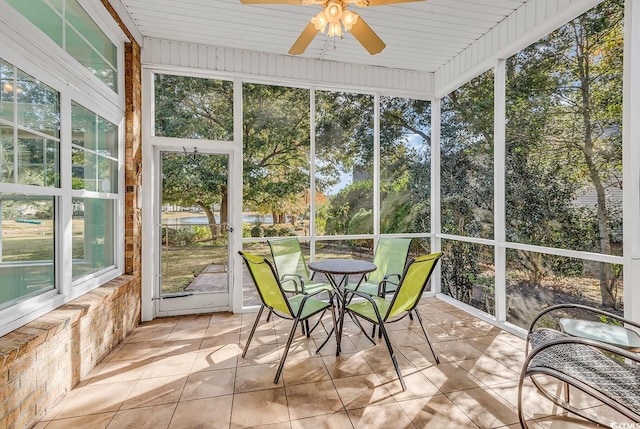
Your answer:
<point x="436" y="227"/>
<point x="64" y="209"/>
<point x="499" y="222"/>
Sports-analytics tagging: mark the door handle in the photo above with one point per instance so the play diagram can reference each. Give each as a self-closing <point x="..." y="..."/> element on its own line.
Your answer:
<point x="229" y="228"/>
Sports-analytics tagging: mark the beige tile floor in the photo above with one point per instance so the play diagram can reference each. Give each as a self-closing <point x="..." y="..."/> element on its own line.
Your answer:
<point x="187" y="372"/>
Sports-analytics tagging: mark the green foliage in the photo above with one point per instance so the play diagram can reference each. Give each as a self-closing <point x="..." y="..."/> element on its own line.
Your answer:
<point x="361" y="222"/>
<point x="354" y="199"/>
<point x="563" y="137"/>
<point x="246" y="229"/>
<point x="605" y="319"/>
<point x="276" y="149"/>
<point x="467" y="159"/>
<point x="257" y="231"/>
<point x="459" y="269"/>
<point x="278" y="231"/>
<point x="396" y="214"/>
<point x="185" y="236"/>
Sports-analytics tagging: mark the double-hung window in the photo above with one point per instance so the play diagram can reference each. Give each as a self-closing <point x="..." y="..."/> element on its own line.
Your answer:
<point x="61" y="155"/>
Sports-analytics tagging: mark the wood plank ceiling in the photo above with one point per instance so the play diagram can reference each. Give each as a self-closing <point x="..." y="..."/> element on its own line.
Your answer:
<point x="420" y="36"/>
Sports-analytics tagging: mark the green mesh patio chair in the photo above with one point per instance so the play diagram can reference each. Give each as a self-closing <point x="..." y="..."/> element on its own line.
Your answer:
<point x="291" y="267"/>
<point x="390" y="258"/>
<point x="298" y="308"/>
<point x="380" y="311"/>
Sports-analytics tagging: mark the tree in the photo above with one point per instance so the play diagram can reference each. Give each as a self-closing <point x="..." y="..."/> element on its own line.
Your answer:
<point x="275" y="137"/>
<point x="197" y="180"/>
<point x="276" y="143"/>
<point x="564" y="133"/>
<point x="467" y="159"/>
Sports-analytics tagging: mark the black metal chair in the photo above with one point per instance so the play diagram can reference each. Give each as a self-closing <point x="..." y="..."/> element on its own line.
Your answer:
<point x="594" y="356"/>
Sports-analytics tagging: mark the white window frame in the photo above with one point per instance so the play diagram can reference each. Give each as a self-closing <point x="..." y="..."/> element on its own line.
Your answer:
<point x="30" y="50"/>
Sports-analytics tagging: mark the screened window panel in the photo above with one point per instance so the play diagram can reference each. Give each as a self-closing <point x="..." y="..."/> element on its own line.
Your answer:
<point x="405" y="165"/>
<point x="344" y="163"/>
<point x="467" y="159"/>
<point x="194" y="108"/>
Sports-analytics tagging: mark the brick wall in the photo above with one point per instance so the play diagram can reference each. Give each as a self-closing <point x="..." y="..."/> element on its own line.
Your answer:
<point x="43" y="360"/>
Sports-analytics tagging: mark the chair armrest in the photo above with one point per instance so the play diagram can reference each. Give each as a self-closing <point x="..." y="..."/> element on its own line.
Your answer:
<point x="388" y="276"/>
<point x="382" y="286"/>
<point x="293" y="278"/>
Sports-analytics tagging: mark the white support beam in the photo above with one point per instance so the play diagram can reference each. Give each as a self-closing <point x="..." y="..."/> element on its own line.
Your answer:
<point x="499" y="197"/>
<point x="631" y="160"/>
<point x="436" y="243"/>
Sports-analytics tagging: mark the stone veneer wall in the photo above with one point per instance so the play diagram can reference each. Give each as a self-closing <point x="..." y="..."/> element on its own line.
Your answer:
<point x="43" y="360"/>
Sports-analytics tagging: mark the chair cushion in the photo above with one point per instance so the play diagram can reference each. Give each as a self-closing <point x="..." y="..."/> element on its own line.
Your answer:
<point x="311" y="306"/>
<point x="365" y="309"/>
<point x="614" y="378"/>
<point x="365" y="287"/>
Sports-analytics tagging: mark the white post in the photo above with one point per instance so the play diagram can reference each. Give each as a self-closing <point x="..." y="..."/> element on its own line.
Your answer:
<point x="236" y="204"/>
<point x="631" y="161"/>
<point x="150" y="259"/>
<point x="436" y="243"/>
<point x="499" y="154"/>
<point x="376" y="169"/>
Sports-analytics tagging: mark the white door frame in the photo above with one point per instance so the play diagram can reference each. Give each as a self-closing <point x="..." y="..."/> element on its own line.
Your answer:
<point x="151" y="218"/>
<point x="171" y="305"/>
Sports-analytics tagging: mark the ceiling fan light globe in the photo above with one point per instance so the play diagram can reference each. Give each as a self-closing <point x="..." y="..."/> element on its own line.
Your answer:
<point x="320" y="21"/>
<point x="335" y="30"/>
<point x="348" y="19"/>
<point x="333" y="11"/>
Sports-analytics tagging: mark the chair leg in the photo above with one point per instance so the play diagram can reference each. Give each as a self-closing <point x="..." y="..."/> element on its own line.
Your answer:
<point x="269" y="315"/>
<point x="306" y="328"/>
<point x="426" y="336"/>
<point x="253" y="330"/>
<point x="393" y="356"/>
<point x="286" y="350"/>
<point x="315" y="325"/>
<point x="339" y="328"/>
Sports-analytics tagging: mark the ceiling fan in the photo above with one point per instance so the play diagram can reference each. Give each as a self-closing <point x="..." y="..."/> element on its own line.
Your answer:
<point x="336" y="19"/>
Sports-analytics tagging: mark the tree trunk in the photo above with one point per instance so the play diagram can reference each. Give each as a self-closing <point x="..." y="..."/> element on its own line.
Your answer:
<point x="606" y="273"/>
<point x="224" y="204"/>
<point x="211" y="218"/>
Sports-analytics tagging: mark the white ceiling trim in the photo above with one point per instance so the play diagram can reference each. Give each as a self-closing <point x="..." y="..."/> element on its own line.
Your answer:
<point x="421" y="35"/>
<point x="128" y="21"/>
<point x="525" y="26"/>
<point x="284" y="68"/>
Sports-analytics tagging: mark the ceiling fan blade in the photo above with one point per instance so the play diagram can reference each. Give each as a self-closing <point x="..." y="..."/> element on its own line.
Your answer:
<point x="270" y="2"/>
<point x="307" y="35"/>
<point x="382" y="2"/>
<point x="367" y="37"/>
